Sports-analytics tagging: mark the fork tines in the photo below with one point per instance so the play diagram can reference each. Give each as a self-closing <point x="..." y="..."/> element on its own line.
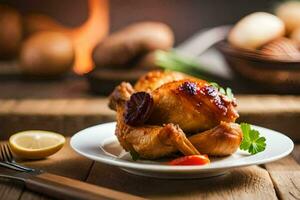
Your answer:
<point x="7" y="160"/>
<point x="6" y="154"/>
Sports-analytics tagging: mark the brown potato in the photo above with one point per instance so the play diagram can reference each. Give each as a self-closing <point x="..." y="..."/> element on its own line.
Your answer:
<point x="10" y="32"/>
<point x="38" y="22"/>
<point x="147" y="62"/>
<point x="47" y="54"/>
<point x="125" y="47"/>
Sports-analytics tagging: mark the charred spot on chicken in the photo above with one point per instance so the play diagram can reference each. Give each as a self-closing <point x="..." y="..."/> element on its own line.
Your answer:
<point x="189" y="87"/>
<point x="138" y="108"/>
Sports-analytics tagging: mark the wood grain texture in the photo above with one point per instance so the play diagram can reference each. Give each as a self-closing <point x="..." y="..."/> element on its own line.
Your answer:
<point x="252" y="182"/>
<point x="68" y="116"/>
<point x="268" y="104"/>
<point x="296" y="153"/>
<point x="65" y="163"/>
<point x="10" y="190"/>
<point x="281" y="113"/>
<point x="285" y="175"/>
<point x="65" y="188"/>
<point x="245" y="183"/>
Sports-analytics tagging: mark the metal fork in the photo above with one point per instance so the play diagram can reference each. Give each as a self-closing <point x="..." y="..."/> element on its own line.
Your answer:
<point x="53" y="185"/>
<point x="8" y="161"/>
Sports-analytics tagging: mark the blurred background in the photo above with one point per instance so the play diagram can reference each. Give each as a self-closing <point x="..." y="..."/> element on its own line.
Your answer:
<point x="88" y="23"/>
<point x="59" y="51"/>
<point x="184" y="17"/>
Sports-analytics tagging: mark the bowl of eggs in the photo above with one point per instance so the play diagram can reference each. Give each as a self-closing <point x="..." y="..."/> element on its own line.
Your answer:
<point x="265" y="48"/>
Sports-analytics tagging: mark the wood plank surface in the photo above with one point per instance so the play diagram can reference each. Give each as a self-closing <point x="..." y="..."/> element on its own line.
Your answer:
<point x="68" y="116"/>
<point x="278" y="179"/>
<point x="65" y="163"/>
<point x="10" y="190"/>
<point x="285" y="175"/>
<point x="244" y="183"/>
<point x="296" y="153"/>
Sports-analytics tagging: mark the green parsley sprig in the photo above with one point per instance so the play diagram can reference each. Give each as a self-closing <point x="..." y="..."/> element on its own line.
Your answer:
<point x="252" y="142"/>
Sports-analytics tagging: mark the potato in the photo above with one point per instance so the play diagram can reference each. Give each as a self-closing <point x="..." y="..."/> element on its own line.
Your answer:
<point x="47" y="54"/>
<point x="125" y="47"/>
<point x="147" y="62"/>
<point x="10" y="32"/>
<point x="289" y="13"/>
<point x="255" y="30"/>
<point x="38" y="22"/>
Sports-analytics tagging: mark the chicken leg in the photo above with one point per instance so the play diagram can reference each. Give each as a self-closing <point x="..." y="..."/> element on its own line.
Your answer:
<point x="222" y="140"/>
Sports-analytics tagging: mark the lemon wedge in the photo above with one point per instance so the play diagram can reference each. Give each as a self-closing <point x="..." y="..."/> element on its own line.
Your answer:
<point x="36" y="144"/>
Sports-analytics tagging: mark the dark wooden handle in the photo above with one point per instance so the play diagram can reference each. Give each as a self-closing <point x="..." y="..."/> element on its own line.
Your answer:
<point x="65" y="188"/>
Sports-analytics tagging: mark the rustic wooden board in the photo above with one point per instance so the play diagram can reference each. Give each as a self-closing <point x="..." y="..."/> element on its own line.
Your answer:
<point x="64" y="115"/>
<point x="68" y="116"/>
<point x="252" y="182"/>
<point x="10" y="190"/>
<point x="245" y="183"/>
<point x="285" y="175"/>
<point x="65" y="163"/>
<point x="296" y="153"/>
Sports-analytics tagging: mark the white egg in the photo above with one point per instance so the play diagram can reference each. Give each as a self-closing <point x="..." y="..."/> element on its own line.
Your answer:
<point x="255" y="30"/>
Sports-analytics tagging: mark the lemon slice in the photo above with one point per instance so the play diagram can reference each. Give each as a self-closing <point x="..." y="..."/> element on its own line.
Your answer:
<point x="36" y="144"/>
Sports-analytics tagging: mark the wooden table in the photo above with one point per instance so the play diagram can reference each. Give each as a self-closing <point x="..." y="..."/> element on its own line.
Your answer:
<point x="277" y="180"/>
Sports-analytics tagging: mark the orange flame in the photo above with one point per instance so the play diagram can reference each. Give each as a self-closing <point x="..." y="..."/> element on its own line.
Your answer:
<point x="89" y="34"/>
<point x="84" y="37"/>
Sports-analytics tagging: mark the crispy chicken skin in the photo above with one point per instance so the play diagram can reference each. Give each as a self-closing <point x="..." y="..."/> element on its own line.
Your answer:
<point x="148" y="141"/>
<point x="156" y="78"/>
<point x="192" y="104"/>
<point x="180" y="105"/>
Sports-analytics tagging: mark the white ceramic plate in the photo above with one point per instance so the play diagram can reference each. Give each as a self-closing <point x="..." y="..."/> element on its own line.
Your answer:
<point x="100" y="144"/>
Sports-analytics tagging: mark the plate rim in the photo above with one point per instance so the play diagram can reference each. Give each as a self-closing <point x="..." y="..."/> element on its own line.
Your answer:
<point x="166" y="168"/>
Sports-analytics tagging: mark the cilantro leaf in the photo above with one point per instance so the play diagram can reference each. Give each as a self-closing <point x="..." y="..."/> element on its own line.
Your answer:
<point x="134" y="155"/>
<point x="252" y="142"/>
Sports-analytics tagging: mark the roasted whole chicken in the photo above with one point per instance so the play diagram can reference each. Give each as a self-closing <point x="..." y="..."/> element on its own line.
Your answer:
<point x="166" y="112"/>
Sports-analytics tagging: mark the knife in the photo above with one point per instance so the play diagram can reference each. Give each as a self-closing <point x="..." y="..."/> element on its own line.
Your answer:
<point x="62" y="187"/>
